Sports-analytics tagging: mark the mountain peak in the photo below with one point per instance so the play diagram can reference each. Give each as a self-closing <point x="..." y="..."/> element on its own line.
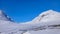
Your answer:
<point x="1" y="12"/>
<point x="3" y="16"/>
<point x="48" y="12"/>
<point x="48" y="15"/>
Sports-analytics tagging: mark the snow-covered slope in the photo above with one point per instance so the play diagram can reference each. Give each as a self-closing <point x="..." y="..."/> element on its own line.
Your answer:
<point x="49" y="22"/>
<point x="3" y="16"/>
<point x="47" y="16"/>
<point x="7" y="26"/>
<point x="46" y="22"/>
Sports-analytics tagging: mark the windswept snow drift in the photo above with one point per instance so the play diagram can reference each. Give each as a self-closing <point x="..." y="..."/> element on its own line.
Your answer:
<point x="47" y="22"/>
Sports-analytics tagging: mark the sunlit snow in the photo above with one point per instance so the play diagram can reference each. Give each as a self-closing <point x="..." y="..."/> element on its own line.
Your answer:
<point x="47" y="22"/>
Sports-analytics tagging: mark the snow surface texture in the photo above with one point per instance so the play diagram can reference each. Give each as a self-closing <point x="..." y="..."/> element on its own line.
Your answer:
<point x="47" y="22"/>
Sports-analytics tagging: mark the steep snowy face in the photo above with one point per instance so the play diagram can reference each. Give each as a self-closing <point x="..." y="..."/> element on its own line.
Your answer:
<point x="3" y="16"/>
<point x="49" y="15"/>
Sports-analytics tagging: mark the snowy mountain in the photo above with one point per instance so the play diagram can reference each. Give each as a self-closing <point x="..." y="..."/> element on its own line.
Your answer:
<point x="3" y="16"/>
<point x="47" y="16"/>
<point x="47" y="22"/>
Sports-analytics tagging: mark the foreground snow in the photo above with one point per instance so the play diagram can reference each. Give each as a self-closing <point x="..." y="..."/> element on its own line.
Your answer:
<point x="47" y="31"/>
<point x="47" y="22"/>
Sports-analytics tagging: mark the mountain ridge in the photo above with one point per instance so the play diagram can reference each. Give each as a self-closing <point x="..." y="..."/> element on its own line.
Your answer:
<point x="46" y="14"/>
<point x="4" y="17"/>
<point x="38" y="24"/>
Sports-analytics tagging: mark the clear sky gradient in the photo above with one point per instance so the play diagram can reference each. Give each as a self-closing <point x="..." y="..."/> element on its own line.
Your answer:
<point x="26" y="10"/>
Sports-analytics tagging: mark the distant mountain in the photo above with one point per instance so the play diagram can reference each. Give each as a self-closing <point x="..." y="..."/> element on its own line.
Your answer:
<point x="48" y="15"/>
<point x="3" y="16"/>
<point x="47" y="22"/>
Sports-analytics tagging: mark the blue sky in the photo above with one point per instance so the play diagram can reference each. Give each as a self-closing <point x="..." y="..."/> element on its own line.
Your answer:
<point x="26" y="10"/>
